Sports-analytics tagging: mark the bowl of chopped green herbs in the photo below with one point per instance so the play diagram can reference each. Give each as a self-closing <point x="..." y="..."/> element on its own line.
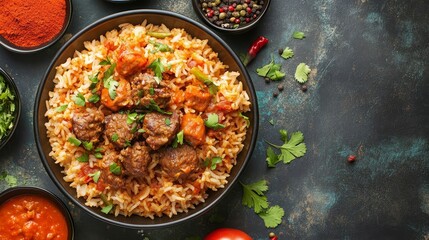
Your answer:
<point x="10" y="107"/>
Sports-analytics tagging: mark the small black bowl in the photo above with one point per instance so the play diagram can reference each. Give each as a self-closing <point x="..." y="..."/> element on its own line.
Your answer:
<point x="14" y="48"/>
<point x="11" y="84"/>
<point x="36" y="191"/>
<point x="241" y="28"/>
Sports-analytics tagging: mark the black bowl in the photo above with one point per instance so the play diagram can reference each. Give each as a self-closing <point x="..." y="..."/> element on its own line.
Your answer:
<point x="18" y="191"/>
<point x="14" y="48"/>
<point x="11" y="84"/>
<point x="197" y="5"/>
<point x="171" y="20"/>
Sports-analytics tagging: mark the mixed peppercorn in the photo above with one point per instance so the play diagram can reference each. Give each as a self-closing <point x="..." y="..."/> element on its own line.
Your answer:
<point x="232" y="13"/>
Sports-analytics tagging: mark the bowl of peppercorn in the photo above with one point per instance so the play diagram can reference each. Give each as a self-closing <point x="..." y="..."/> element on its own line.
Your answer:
<point x="236" y="16"/>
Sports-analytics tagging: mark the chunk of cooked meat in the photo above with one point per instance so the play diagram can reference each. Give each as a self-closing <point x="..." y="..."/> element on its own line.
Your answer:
<point x="88" y="125"/>
<point x="136" y="159"/>
<point x="197" y="97"/>
<point x="145" y="89"/>
<point x="193" y="128"/>
<point x="114" y="181"/>
<point x="160" y="129"/>
<point x="118" y="131"/>
<point x="130" y="61"/>
<point x="179" y="163"/>
<point x="122" y="98"/>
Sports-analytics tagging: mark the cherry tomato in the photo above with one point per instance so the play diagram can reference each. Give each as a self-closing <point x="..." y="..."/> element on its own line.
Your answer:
<point x="227" y="234"/>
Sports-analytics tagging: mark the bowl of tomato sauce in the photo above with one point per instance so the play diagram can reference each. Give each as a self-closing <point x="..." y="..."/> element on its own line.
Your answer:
<point x="34" y="213"/>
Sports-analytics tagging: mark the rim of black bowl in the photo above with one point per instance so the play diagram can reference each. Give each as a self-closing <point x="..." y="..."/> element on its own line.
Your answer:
<point x="11" y="83"/>
<point x="14" y="48"/>
<point x="255" y="114"/>
<point x="18" y="191"/>
<point x="197" y="7"/>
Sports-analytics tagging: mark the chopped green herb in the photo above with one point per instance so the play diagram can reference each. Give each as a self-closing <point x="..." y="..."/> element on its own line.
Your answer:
<point x="212" y="163"/>
<point x="246" y="118"/>
<point x="115" y="137"/>
<point x="178" y="139"/>
<point x="79" y="100"/>
<point x="301" y="73"/>
<point x="88" y="145"/>
<point x="94" y="81"/>
<point x="271" y="70"/>
<point x="111" y="86"/>
<point x="272" y="158"/>
<point x="83" y="158"/>
<point x="99" y="149"/>
<point x="213" y="121"/>
<point x="95" y="176"/>
<point x="205" y="79"/>
<point x="115" y="169"/>
<point x="158" y="69"/>
<point x="131" y="118"/>
<point x="272" y="216"/>
<point x="106" y="62"/>
<point x="167" y="121"/>
<point x="159" y="34"/>
<point x="253" y="195"/>
<point x="151" y="91"/>
<point x="94" y="98"/>
<point x="141" y="130"/>
<point x="298" y="35"/>
<point x="287" y="53"/>
<point x="127" y="143"/>
<point x="140" y="93"/>
<point x="62" y="108"/>
<point x="291" y="149"/>
<point x="74" y="141"/>
<point x="98" y="155"/>
<point x="154" y="107"/>
<point x="107" y="209"/>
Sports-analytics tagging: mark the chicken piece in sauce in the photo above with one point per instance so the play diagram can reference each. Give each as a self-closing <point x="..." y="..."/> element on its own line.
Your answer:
<point x="179" y="163"/>
<point x="88" y="125"/>
<point x="136" y="159"/>
<point x="160" y="129"/>
<point x="193" y="129"/>
<point x="118" y="131"/>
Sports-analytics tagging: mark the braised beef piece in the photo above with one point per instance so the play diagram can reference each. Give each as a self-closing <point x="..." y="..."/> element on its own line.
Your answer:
<point x="118" y="131"/>
<point x="145" y="90"/>
<point x="136" y="159"/>
<point x="179" y="163"/>
<point x="115" y="181"/>
<point x="160" y="129"/>
<point x="87" y="126"/>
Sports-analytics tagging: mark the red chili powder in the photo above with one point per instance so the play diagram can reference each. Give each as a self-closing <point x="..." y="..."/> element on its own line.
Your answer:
<point x="30" y="23"/>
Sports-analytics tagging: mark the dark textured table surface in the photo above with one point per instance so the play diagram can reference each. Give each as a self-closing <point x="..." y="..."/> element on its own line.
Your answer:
<point x="368" y="95"/>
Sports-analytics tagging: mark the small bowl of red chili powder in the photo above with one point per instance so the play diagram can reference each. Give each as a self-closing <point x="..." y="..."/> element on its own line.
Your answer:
<point x="30" y="26"/>
<point x="236" y="16"/>
<point x="34" y="213"/>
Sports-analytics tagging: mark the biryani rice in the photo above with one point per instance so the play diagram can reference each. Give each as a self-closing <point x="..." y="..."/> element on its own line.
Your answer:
<point x="167" y="198"/>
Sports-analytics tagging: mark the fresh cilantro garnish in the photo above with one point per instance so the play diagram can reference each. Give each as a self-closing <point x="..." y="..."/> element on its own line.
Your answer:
<point x="287" y="53"/>
<point x="213" y="121"/>
<point x="151" y="91"/>
<point x="131" y="117"/>
<point x="178" y="139"/>
<point x="301" y="73"/>
<point x="115" y="169"/>
<point x="111" y="86"/>
<point x="271" y="71"/>
<point x="62" y="108"/>
<point x="212" y="163"/>
<point x="298" y="35"/>
<point x="109" y="72"/>
<point x="106" y="62"/>
<point x="271" y="121"/>
<point x="161" y="46"/>
<point x="291" y="149"/>
<point x="153" y="106"/>
<point x="83" y="158"/>
<point x="98" y="155"/>
<point x="88" y="145"/>
<point x="74" y="141"/>
<point x="79" y="100"/>
<point x="246" y="118"/>
<point x="94" y="98"/>
<point x="272" y="216"/>
<point x="253" y="197"/>
<point x="158" y="69"/>
<point x="127" y="143"/>
<point x="115" y="137"/>
<point x="141" y="130"/>
<point x="272" y="158"/>
<point x="95" y="176"/>
<point x="107" y="209"/>
<point x="205" y="79"/>
<point x="94" y="80"/>
<point x="167" y="121"/>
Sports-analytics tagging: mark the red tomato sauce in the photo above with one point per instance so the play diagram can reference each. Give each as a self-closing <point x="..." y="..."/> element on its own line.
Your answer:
<point x="26" y="217"/>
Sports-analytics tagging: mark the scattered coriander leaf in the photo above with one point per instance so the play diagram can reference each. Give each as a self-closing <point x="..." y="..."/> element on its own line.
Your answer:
<point x="298" y="35"/>
<point x="158" y="69"/>
<point x="74" y="141"/>
<point x="83" y="158"/>
<point x="283" y="135"/>
<point x="271" y="121"/>
<point x="272" y="158"/>
<point x="109" y="72"/>
<point x="115" y="137"/>
<point x="301" y="73"/>
<point x="167" y="121"/>
<point x="112" y="89"/>
<point x="131" y="118"/>
<point x="271" y="70"/>
<point x="88" y="145"/>
<point x="107" y="209"/>
<point x="212" y="163"/>
<point x="62" y="108"/>
<point x="79" y="100"/>
<point x="291" y="149"/>
<point x="272" y="216"/>
<point x="178" y="139"/>
<point x="94" y="98"/>
<point x="287" y="53"/>
<point x="141" y="130"/>
<point x="115" y="169"/>
<point x="98" y="155"/>
<point x="151" y="91"/>
<point x="95" y="176"/>
<point x="94" y="81"/>
<point x="106" y="62"/>
<point x="246" y="118"/>
<point x="213" y="121"/>
<point x="253" y="195"/>
<point x="154" y="106"/>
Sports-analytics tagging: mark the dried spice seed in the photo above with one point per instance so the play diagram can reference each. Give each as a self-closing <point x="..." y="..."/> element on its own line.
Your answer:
<point x="275" y="94"/>
<point x="304" y="88"/>
<point x="267" y="80"/>
<point x="280" y="87"/>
